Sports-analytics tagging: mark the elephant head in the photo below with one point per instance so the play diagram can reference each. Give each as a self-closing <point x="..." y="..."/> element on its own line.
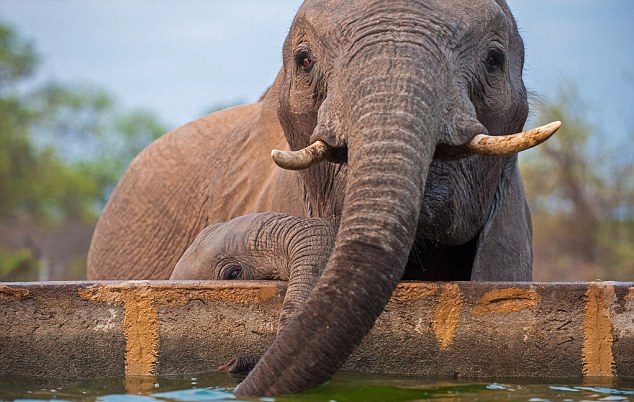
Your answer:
<point x="247" y="247"/>
<point x="258" y="247"/>
<point x="401" y="99"/>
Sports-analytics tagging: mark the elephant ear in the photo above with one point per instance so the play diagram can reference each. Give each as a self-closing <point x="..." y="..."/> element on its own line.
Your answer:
<point x="504" y="251"/>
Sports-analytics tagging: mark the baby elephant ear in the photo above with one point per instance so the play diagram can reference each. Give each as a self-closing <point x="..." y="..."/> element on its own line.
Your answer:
<point x="504" y="251"/>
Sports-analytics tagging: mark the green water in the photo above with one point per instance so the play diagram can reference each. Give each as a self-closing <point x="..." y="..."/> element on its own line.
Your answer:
<point x="344" y="387"/>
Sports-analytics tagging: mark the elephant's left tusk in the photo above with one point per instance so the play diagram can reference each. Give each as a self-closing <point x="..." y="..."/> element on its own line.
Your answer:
<point x="510" y="144"/>
<point x="302" y="159"/>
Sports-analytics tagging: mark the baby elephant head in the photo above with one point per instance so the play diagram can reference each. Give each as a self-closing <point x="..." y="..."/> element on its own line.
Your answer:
<point x="230" y="251"/>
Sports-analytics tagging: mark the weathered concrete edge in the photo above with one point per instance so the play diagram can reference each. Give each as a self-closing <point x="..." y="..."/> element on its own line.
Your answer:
<point x="470" y="329"/>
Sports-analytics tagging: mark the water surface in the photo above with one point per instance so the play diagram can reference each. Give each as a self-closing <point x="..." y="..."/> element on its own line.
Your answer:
<point x="344" y="387"/>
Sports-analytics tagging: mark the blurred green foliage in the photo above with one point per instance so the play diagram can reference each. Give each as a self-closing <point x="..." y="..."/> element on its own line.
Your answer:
<point x="18" y="265"/>
<point x="63" y="149"/>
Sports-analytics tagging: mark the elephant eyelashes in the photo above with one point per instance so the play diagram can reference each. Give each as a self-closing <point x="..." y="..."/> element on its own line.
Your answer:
<point x="494" y="60"/>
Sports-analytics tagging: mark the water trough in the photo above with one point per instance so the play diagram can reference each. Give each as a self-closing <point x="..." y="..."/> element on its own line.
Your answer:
<point x="466" y="329"/>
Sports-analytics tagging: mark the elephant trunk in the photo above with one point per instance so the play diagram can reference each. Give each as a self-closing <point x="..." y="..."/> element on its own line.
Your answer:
<point x="391" y="140"/>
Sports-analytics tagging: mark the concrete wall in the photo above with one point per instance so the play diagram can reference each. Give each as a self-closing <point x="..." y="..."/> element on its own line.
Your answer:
<point x="86" y="330"/>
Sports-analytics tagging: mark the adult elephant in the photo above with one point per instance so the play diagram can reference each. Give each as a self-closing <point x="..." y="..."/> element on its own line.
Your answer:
<point x="395" y="95"/>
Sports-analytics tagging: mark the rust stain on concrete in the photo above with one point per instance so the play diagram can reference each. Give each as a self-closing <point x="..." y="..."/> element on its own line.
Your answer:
<point x="447" y="315"/>
<point x="597" y="357"/>
<point x="8" y="293"/>
<point x="102" y="293"/>
<point x="142" y="385"/>
<point x="509" y="300"/>
<point x="141" y="333"/>
<point x="411" y="291"/>
<point x="141" y="325"/>
<point x="246" y="294"/>
<point x="170" y="295"/>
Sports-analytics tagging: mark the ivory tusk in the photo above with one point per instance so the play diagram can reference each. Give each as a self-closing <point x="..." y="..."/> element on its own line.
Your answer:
<point x="510" y="144"/>
<point x="480" y="144"/>
<point x="302" y="159"/>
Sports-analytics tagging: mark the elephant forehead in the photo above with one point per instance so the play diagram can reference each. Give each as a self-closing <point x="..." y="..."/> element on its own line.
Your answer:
<point x="339" y="15"/>
<point x="468" y="12"/>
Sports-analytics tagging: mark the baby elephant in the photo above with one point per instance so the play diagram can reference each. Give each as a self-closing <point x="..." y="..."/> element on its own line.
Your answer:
<point x="262" y="246"/>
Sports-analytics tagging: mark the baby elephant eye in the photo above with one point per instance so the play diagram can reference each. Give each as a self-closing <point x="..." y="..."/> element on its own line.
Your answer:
<point x="232" y="273"/>
<point x="494" y="60"/>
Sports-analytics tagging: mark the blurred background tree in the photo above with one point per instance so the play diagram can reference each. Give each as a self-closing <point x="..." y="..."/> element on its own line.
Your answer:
<point x="62" y="150"/>
<point x="580" y="186"/>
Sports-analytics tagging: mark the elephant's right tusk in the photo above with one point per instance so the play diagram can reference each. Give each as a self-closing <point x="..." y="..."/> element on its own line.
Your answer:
<point x="510" y="144"/>
<point x="302" y="159"/>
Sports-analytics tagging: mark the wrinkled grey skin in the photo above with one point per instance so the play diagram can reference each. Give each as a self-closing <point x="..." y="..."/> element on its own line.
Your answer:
<point x="262" y="246"/>
<point x="396" y="86"/>
<point x="398" y="83"/>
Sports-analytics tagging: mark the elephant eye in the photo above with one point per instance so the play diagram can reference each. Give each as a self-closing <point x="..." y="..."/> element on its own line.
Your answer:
<point x="304" y="60"/>
<point x="494" y="60"/>
<point x="232" y="273"/>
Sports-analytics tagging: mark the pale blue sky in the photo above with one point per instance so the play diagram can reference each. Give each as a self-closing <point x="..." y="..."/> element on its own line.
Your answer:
<point x="179" y="58"/>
